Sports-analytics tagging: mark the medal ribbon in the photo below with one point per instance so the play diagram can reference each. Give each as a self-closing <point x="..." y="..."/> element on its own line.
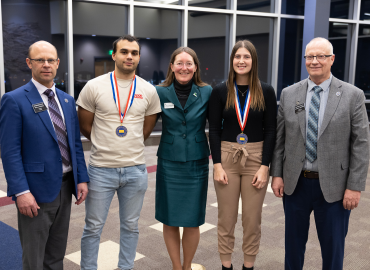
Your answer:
<point x="242" y="113"/>
<point x="116" y="98"/>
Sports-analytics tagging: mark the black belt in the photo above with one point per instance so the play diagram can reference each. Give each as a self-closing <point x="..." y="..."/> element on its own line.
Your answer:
<point x="67" y="175"/>
<point x="309" y="174"/>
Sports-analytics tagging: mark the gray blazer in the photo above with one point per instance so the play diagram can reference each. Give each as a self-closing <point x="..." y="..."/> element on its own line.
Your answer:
<point x="343" y="140"/>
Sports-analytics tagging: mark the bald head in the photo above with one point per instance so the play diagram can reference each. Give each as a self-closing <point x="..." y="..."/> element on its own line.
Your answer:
<point x="41" y="45"/>
<point x="43" y="61"/>
<point x="319" y="41"/>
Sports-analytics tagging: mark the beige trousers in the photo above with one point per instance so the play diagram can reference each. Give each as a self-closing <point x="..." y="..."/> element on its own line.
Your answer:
<point x="240" y="162"/>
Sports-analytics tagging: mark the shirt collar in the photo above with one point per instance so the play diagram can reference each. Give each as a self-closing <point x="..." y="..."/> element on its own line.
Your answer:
<point x="324" y="85"/>
<point x="42" y="88"/>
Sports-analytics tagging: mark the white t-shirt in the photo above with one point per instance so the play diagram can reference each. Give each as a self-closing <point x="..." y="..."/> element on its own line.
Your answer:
<point x="109" y="150"/>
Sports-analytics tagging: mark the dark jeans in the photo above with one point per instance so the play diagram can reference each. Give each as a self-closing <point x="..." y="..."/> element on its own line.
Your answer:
<point x="331" y="224"/>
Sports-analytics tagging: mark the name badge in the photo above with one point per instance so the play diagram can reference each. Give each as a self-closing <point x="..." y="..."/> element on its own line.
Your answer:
<point x="169" y="105"/>
<point x="298" y="108"/>
<point x="39" y="107"/>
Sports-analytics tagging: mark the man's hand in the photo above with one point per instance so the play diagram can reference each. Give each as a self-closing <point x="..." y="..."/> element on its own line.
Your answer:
<point x="82" y="191"/>
<point x="261" y="177"/>
<point x="277" y="186"/>
<point x="351" y="199"/>
<point x="27" y="205"/>
<point x="219" y="174"/>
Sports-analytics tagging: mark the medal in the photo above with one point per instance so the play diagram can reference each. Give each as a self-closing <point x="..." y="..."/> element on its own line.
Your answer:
<point x="242" y="138"/>
<point x="121" y="131"/>
<point x="242" y="114"/>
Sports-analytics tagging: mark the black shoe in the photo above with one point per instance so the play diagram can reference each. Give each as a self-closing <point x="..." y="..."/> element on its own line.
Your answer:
<point x="247" y="268"/>
<point x="225" y="268"/>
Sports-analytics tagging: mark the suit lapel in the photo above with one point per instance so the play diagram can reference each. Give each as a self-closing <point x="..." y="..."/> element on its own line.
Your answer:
<point x="34" y="97"/>
<point x="173" y="97"/>
<point x="301" y="99"/>
<point x="193" y="96"/>
<point x="66" y="112"/>
<point x="332" y="104"/>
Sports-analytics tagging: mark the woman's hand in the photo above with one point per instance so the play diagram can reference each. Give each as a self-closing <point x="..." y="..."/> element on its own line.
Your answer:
<point x="260" y="179"/>
<point x="219" y="174"/>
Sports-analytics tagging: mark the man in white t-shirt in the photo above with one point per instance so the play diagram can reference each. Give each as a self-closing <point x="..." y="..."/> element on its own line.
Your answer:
<point x="117" y="112"/>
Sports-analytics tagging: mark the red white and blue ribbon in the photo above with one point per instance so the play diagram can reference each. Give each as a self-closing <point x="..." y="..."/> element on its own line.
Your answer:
<point x="242" y="112"/>
<point x="116" y="98"/>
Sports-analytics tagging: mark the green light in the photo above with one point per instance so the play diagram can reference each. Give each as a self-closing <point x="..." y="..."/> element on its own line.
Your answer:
<point x="110" y="52"/>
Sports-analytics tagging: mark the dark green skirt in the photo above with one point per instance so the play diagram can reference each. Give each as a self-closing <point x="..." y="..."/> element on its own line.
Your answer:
<point x="181" y="192"/>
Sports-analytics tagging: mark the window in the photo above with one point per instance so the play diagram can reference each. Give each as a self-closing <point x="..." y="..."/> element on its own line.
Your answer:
<point x="222" y="4"/>
<point x="341" y="9"/>
<point x="158" y="35"/>
<point x="93" y="39"/>
<point x="292" y="7"/>
<point x="207" y="32"/>
<point x="338" y="36"/>
<point x="260" y="36"/>
<point x="290" y="53"/>
<point x="25" y="23"/>
<point x="256" y="5"/>
<point x="362" y="79"/>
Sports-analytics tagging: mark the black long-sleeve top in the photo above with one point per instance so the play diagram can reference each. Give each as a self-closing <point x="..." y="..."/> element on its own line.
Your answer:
<point x="182" y="91"/>
<point x="224" y="125"/>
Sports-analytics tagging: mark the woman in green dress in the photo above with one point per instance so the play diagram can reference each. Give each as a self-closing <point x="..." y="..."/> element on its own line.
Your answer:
<point x="183" y="156"/>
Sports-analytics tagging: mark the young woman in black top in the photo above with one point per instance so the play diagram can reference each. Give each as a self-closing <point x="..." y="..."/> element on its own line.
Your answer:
<point x="242" y="124"/>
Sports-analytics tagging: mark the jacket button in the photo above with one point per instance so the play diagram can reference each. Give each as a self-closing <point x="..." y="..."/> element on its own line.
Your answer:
<point x="60" y="159"/>
<point x="184" y="136"/>
<point x="183" y="123"/>
<point x="185" y="111"/>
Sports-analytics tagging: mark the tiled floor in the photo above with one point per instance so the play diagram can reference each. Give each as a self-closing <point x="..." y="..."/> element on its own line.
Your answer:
<point x="152" y="253"/>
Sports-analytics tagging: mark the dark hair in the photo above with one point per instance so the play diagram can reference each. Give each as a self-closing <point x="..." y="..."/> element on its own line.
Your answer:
<point x="170" y="76"/>
<point x="257" y="99"/>
<point x="128" y="38"/>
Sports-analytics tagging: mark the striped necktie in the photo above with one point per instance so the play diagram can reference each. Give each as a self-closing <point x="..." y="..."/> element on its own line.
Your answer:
<point x="313" y="117"/>
<point x="59" y="127"/>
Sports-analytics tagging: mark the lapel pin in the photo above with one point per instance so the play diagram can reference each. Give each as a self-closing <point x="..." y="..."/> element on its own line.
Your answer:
<point x="297" y="102"/>
<point x="338" y="94"/>
<point x="66" y="100"/>
<point x="195" y="94"/>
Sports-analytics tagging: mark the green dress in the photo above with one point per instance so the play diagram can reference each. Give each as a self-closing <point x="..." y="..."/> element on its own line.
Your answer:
<point x="183" y="158"/>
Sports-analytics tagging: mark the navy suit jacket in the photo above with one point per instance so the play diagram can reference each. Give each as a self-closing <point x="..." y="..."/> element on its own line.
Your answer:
<point x="29" y="148"/>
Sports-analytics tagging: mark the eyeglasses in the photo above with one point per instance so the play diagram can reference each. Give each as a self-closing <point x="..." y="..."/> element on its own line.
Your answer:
<point x="180" y="64"/>
<point x="310" y="58"/>
<point x="42" y="61"/>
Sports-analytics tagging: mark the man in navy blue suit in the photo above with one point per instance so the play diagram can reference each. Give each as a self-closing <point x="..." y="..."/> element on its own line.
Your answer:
<point x="43" y="159"/>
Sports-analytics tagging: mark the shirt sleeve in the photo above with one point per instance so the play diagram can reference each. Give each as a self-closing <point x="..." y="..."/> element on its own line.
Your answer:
<point x="215" y="108"/>
<point x="86" y="99"/>
<point x="269" y="125"/>
<point x="154" y="106"/>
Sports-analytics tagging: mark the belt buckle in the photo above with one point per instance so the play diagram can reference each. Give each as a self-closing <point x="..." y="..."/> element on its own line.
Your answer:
<point x="304" y="173"/>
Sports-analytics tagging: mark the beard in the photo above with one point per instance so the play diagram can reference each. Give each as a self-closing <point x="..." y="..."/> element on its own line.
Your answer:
<point x="126" y="70"/>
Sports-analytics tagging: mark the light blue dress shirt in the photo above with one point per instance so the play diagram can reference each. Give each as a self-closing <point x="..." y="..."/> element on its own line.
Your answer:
<point x="325" y="86"/>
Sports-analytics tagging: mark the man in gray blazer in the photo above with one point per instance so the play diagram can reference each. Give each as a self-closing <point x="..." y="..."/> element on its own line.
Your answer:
<point x="321" y="157"/>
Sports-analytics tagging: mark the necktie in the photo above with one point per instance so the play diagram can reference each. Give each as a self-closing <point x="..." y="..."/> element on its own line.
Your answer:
<point x="59" y="127"/>
<point x="313" y="117"/>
